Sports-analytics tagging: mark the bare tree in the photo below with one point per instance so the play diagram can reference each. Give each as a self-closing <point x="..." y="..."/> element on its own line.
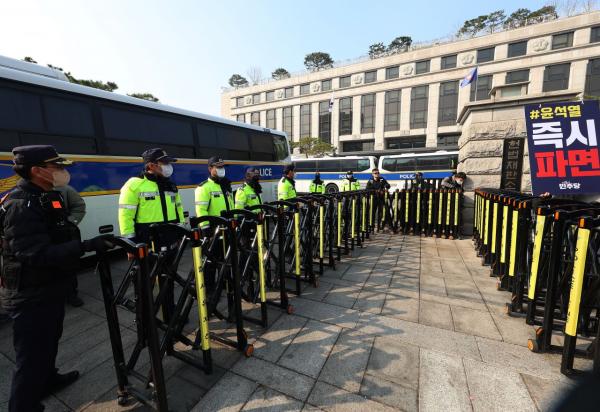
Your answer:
<point x="589" y="5"/>
<point x="565" y="8"/>
<point x="254" y="74"/>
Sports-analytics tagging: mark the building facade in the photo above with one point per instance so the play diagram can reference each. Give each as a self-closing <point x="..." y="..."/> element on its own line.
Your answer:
<point x="413" y="99"/>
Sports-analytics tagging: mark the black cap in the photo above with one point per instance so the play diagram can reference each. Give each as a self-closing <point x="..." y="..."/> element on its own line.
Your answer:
<point x="251" y="169"/>
<point x="157" y="154"/>
<point x="461" y="175"/>
<point x="216" y="161"/>
<point x="349" y="172"/>
<point x="289" y="168"/>
<point x="37" y="155"/>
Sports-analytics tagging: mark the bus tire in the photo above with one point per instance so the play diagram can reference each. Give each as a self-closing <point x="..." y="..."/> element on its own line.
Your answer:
<point x="331" y="188"/>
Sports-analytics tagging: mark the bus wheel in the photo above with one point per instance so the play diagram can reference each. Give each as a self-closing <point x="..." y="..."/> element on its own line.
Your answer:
<point x="331" y="188"/>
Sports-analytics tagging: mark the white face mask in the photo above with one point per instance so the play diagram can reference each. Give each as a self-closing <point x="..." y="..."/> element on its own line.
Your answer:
<point x="61" y="178"/>
<point x="220" y="172"/>
<point x="167" y="170"/>
<point x="459" y="182"/>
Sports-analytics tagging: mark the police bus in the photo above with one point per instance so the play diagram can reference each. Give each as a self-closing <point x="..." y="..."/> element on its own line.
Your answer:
<point x="105" y="133"/>
<point x="400" y="168"/>
<point x="333" y="171"/>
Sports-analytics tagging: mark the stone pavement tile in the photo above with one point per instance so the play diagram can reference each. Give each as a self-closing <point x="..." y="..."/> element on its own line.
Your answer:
<point x="423" y="336"/>
<point x="265" y="399"/>
<point x="474" y="322"/>
<point x="51" y="404"/>
<point x="346" y="318"/>
<point x="494" y="388"/>
<point x="395" y="362"/>
<point x="6" y="371"/>
<point x="199" y="378"/>
<point x="340" y="282"/>
<point x="379" y="277"/>
<point x="513" y="330"/>
<point x="275" y="377"/>
<point x="344" y="296"/>
<point x="357" y="277"/>
<point x="546" y="392"/>
<point x="347" y="362"/>
<point x="435" y="314"/>
<point x="430" y="265"/>
<point x="519" y="358"/>
<point x="401" y="307"/>
<point x="370" y="301"/>
<point x="182" y="394"/>
<point x="310" y="408"/>
<point x="442" y="383"/>
<point x="271" y="345"/>
<point x="319" y="293"/>
<point x="330" y="398"/>
<point x="309" y="350"/>
<point x="229" y="394"/>
<point x="389" y="393"/>
<point x="432" y="284"/>
<point x="405" y="282"/>
<point x="463" y="289"/>
<point x="447" y="300"/>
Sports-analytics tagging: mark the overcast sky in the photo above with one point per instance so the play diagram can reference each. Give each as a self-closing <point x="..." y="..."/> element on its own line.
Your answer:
<point x="184" y="51"/>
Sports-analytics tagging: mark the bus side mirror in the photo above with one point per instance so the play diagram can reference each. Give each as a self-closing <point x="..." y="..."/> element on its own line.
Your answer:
<point x="103" y="230"/>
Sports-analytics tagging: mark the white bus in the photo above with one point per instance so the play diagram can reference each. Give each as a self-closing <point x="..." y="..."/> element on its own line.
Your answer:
<point x="333" y="171"/>
<point x="105" y="133"/>
<point x="398" y="169"/>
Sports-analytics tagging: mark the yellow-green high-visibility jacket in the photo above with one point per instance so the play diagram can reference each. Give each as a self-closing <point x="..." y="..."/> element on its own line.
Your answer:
<point x="347" y="185"/>
<point x="140" y="204"/>
<point x="211" y="200"/>
<point x="285" y="189"/>
<point x="246" y="196"/>
<point x="317" y="187"/>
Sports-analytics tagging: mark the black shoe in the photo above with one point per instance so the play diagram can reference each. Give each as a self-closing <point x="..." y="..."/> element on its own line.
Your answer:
<point x="60" y="381"/>
<point x="75" y="301"/>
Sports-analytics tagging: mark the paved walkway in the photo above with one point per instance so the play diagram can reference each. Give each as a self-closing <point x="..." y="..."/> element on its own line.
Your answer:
<point x="405" y="324"/>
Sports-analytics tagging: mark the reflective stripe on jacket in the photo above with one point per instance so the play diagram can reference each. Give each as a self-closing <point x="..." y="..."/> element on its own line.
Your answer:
<point x="285" y="189"/>
<point x="246" y="197"/>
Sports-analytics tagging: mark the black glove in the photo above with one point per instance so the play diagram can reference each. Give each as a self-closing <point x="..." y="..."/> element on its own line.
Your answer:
<point x="99" y="244"/>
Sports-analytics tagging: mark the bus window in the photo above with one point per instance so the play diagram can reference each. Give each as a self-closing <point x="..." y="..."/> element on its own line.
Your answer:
<point x="8" y="140"/>
<point x="20" y="110"/>
<point x="350" y="164"/>
<point x="235" y="141"/>
<point x="117" y="147"/>
<point x="262" y="146"/>
<point x="389" y="164"/>
<point x="363" y="165"/>
<point x="63" y="144"/>
<point x="281" y="147"/>
<point x="329" y="165"/>
<point x="306" y="165"/>
<point x="69" y="117"/>
<point x="405" y="164"/>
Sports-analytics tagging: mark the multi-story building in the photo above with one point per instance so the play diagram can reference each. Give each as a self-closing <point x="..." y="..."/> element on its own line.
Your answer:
<point x="413" y="99"/>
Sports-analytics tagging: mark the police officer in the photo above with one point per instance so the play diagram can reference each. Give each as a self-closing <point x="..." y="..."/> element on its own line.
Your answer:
<point x="377" y="182"/>
<point x="40" y="251"/>
<point x="455" y="181"/>
<point x="380" y="185"/>
<point x="249" y="194"/>
<point x="212" y="197"/>
<point x="420" y="182"/>
<point x="317" y="186"/>
<point x="350" y="183"/>
<point x="150" y="198"/>
<point x="286" y="189"/>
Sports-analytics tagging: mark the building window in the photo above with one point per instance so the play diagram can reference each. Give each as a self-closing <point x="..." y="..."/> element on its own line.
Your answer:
<point x="239" y="102"/>
<point x="449" y="62"/>
<point x="517" y="49"/>
<point x="255" y="118"/>
<point x="517" y="76"/>
<point x="392" y="72"/>
<point x="345" y="115"/>
<point x="271" y="119"/>
<point x="448" y="103"/>
<point x="304" y="89"/>
<point x="360" y="146"/>
<point x="391" y="120"/>
<point x="256" y="98"/>
<point x="560" y="41"/>
<point x="412" y="142"/>
<point x="595" y="34"/>
<point x="592" y="79"/>
<point x="288" y="121"/>
<point x="485" y="55"/>
<point x="556" y="77"/>
<point x="367" y="113"/>
<point x="324" y="122"/>
<point x="270" y="96"/>
<point x="240" y="118"/>
<point x="289" y="92"/>
<point x="305" y="120"/>
<point x="448" y="140"/>
<point x="418" y="107"/>
<point x="371" y="77"/>
<point x="484" y="86"/>
<point x="345" y="81"/>
<point x="326" y="85"/>
<point x="422" y="67"/>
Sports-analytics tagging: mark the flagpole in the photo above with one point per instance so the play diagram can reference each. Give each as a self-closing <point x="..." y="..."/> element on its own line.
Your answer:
<point x="476" y="80"/>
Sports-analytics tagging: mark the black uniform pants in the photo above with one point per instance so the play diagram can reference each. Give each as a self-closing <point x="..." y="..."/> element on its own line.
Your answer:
<point x="36" y="332"/>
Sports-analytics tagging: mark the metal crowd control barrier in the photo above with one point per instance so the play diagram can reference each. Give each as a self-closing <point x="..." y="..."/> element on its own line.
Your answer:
<point x="545" y="252"/>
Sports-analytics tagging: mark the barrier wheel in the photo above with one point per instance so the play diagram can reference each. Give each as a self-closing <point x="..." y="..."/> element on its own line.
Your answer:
<point x="539" y="332"/>
<point x="532" y="345"/>
<point x="249" y="350"/>
<point x="316" y="283"/>
<point x="245" y="334"/>
<point x="122" y="400"/>
<point x="451" y="237"/>
<point x="507" y="309"/>
<point x="290" y="309"/>
<point x="443" y="236"/>
<point x="498" y="285"/>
